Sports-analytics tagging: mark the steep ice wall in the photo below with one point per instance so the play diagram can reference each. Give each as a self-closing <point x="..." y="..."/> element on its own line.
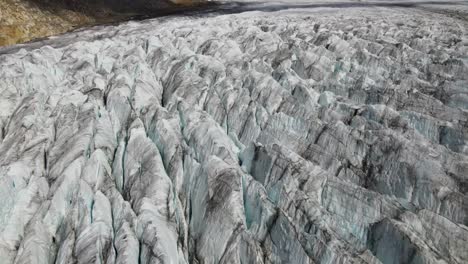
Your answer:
<point x="327" y="136"/>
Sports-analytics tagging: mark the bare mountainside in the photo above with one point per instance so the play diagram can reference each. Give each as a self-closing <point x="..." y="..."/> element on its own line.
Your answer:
<point x="311" y="133"/>
<point x="26" y="20"/>
<point x="22" y="21"/>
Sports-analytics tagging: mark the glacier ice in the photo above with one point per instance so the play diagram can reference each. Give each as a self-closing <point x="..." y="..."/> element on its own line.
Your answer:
<point x="301" y="136"/>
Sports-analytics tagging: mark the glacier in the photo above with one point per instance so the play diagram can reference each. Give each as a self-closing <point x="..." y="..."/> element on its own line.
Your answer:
<point x="302" y="135"/>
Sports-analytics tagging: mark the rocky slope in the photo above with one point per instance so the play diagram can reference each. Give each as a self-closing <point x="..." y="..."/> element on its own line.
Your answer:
<point x="26" y="20"/>
<point x="313" y="135"/>
<point x="22" y="20"/>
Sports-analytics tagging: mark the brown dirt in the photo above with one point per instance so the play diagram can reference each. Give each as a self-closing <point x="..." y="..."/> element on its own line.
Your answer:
<point x="26" y="20"/>
<point x="21" y="20"/>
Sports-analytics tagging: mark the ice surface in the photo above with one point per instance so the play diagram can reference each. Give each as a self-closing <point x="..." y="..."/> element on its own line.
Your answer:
<point x="332" y="135"/>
